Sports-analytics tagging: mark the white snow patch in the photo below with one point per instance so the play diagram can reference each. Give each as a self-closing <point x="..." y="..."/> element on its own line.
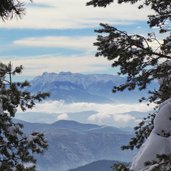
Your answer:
<point x="156" y="143"/>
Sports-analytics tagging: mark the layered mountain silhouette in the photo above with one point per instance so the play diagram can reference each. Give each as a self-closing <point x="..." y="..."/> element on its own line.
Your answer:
<point x="101" y="165"/>
<point x="73" y="144"/>
<point x="75" y="87"/>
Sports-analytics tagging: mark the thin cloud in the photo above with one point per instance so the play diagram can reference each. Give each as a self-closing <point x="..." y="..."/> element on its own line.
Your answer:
<point x="60" y="14"/>
<point x="82" y="42"/>
<point x="63" y="116"/>
<point x="34" y="66"/>
<point x="120" y="119"/>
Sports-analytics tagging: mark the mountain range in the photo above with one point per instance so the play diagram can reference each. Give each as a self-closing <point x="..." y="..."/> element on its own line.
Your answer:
<point x="76" y="87"/>
<point x="101" y="165"/>
<point x="73" y="144"/>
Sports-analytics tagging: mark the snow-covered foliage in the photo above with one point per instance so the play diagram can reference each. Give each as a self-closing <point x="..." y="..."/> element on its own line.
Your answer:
<point x="16" y="148"/>
<point x="159" y="141"/>
<point x="139" y="59"/>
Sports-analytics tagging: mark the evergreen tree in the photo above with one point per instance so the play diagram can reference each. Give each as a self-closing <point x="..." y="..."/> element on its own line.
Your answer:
<point x="141" y="63"/>
<point x="16" y="149"/>
<point x="11" y="8"/>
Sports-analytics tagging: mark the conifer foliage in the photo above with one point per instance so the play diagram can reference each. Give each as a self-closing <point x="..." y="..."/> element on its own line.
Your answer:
<point x="16" y="148"/>
<point x="11" y="8"/>
<point x="141" y="63"/>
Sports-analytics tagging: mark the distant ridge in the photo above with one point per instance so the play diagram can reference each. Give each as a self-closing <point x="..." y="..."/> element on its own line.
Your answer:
<point x="73" y="144"/>
<point x="73" y="125"/>
<point x="76" y="87"/>
<point x="102" y="165"/>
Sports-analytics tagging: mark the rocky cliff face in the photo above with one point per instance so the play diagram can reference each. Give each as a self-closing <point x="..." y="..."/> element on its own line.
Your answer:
<point x="75" y="87"/>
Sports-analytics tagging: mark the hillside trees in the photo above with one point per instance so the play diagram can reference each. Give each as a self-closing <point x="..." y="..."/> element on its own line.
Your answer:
<point x="140" y="62"/>
<point x="16" y="149"/>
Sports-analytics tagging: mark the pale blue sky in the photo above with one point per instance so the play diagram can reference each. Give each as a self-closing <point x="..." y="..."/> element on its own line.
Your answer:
<point x="57" y="35"/>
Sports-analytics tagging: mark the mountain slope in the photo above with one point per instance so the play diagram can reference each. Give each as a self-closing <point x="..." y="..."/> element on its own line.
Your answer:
<point x="102" y="165"/>
<point x="75" y="87"/>
<point x="72" y="144"/>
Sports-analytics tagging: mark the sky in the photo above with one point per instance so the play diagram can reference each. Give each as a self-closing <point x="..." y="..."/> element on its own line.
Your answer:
<point x="58" y="35"/>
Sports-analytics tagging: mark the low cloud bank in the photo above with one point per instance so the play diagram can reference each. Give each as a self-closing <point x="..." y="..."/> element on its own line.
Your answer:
<point x="119" y="114"/>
